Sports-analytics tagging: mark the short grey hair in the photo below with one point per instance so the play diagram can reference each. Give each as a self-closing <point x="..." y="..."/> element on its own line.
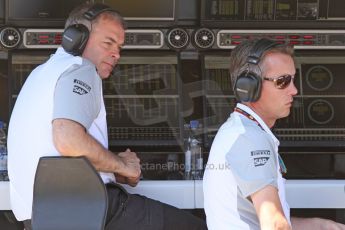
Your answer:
<point x="77" y="16"/>
<point x="239" y="55"/>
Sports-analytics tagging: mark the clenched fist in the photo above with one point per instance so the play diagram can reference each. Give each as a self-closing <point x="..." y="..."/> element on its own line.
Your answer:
<point x="129" y="171"/>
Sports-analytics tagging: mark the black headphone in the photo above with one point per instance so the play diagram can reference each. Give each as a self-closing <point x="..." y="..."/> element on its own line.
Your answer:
<point x="247" y="87"/>
<point x="75" y="36"/>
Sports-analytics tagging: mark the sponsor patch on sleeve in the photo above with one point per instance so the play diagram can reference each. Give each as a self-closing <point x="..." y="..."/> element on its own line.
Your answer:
<point x="80" y="87"/>
<point x="260" y="157"/>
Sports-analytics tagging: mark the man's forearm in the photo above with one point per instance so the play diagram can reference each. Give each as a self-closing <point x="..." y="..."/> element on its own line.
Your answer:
<point x="71" y="139"/>
<point x="269" y="210"/>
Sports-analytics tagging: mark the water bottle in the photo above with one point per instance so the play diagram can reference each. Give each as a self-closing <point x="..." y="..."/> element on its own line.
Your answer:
<point x="196" y="151"/>
<point x="187" y="162"/>
<point x="3" y="149"/>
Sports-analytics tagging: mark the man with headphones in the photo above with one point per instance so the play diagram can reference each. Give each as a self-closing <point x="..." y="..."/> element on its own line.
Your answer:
<point x="60" y="111"/>
<point x="243" y="184"/>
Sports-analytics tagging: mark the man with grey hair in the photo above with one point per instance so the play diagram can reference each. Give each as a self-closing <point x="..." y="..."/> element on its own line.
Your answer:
<point x="60" y="111"/>
<point x="243" y="184"/>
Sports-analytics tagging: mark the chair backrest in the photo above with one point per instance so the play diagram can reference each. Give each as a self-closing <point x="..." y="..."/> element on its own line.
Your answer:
<point x="68" y="195"/>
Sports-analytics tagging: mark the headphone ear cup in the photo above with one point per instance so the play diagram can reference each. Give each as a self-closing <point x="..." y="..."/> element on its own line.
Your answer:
<point x="74" y="39"/>
<point x="248" y="87"/>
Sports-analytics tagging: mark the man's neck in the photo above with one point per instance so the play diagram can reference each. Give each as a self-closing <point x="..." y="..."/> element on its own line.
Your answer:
<point x="269" y="121"/>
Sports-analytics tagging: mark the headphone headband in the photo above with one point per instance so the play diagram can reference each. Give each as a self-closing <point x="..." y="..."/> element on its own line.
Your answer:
<point x="259" y="48"/>
<point x="96" y="10"/>
<point x="75" y="36"/>
<point x="247" y="87"/>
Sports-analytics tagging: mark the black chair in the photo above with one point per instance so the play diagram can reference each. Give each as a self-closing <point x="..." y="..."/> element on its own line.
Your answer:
<point x="68" y="195"/>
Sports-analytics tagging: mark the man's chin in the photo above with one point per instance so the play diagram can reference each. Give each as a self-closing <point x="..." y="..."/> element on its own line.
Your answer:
<point x="286" y="114"/>
<point x="105" y="75"/>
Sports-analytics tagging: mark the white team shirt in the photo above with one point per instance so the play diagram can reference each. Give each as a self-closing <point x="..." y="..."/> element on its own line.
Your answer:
<point x="243" y="159"/>
<point x="30" y="128"/>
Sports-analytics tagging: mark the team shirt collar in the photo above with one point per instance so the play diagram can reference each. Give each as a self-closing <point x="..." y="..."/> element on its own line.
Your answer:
<point x="258" y="120"/>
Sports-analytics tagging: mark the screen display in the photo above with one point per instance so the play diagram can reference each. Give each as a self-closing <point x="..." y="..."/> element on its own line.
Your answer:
<point x="41" y="9"/>
<point x="273" y="10"/>
<point x="2" y="8"/>
<point x="336" y="9"/>
<point x="144" y="10"/>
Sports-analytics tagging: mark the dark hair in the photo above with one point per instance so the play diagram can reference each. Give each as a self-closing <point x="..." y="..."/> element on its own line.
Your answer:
<point x="239" y="55"/>
<point x="77" y="16"/>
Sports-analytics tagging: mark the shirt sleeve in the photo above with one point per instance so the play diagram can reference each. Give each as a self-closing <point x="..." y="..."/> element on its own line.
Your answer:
<point x="78" y="95"/>
<point x="253" y="164"/>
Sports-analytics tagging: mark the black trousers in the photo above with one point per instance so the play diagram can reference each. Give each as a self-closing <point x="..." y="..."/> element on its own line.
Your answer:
<point x="131" y="211"/>
<point x="127" y="211"/>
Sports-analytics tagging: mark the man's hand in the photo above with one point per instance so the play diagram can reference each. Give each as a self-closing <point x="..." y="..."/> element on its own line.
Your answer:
<point x="129" y="172"/>
<point x="125" y="180"/>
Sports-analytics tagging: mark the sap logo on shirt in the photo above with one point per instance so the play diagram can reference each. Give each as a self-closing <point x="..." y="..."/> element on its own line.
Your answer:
<point x="81" y="87"/>
<point x="260" y="161"/>
<point x="79" y="90"/>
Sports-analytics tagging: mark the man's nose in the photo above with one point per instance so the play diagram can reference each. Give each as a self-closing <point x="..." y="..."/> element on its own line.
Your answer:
<point x="115" y="55"/>
<point x="293" y="88"/>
